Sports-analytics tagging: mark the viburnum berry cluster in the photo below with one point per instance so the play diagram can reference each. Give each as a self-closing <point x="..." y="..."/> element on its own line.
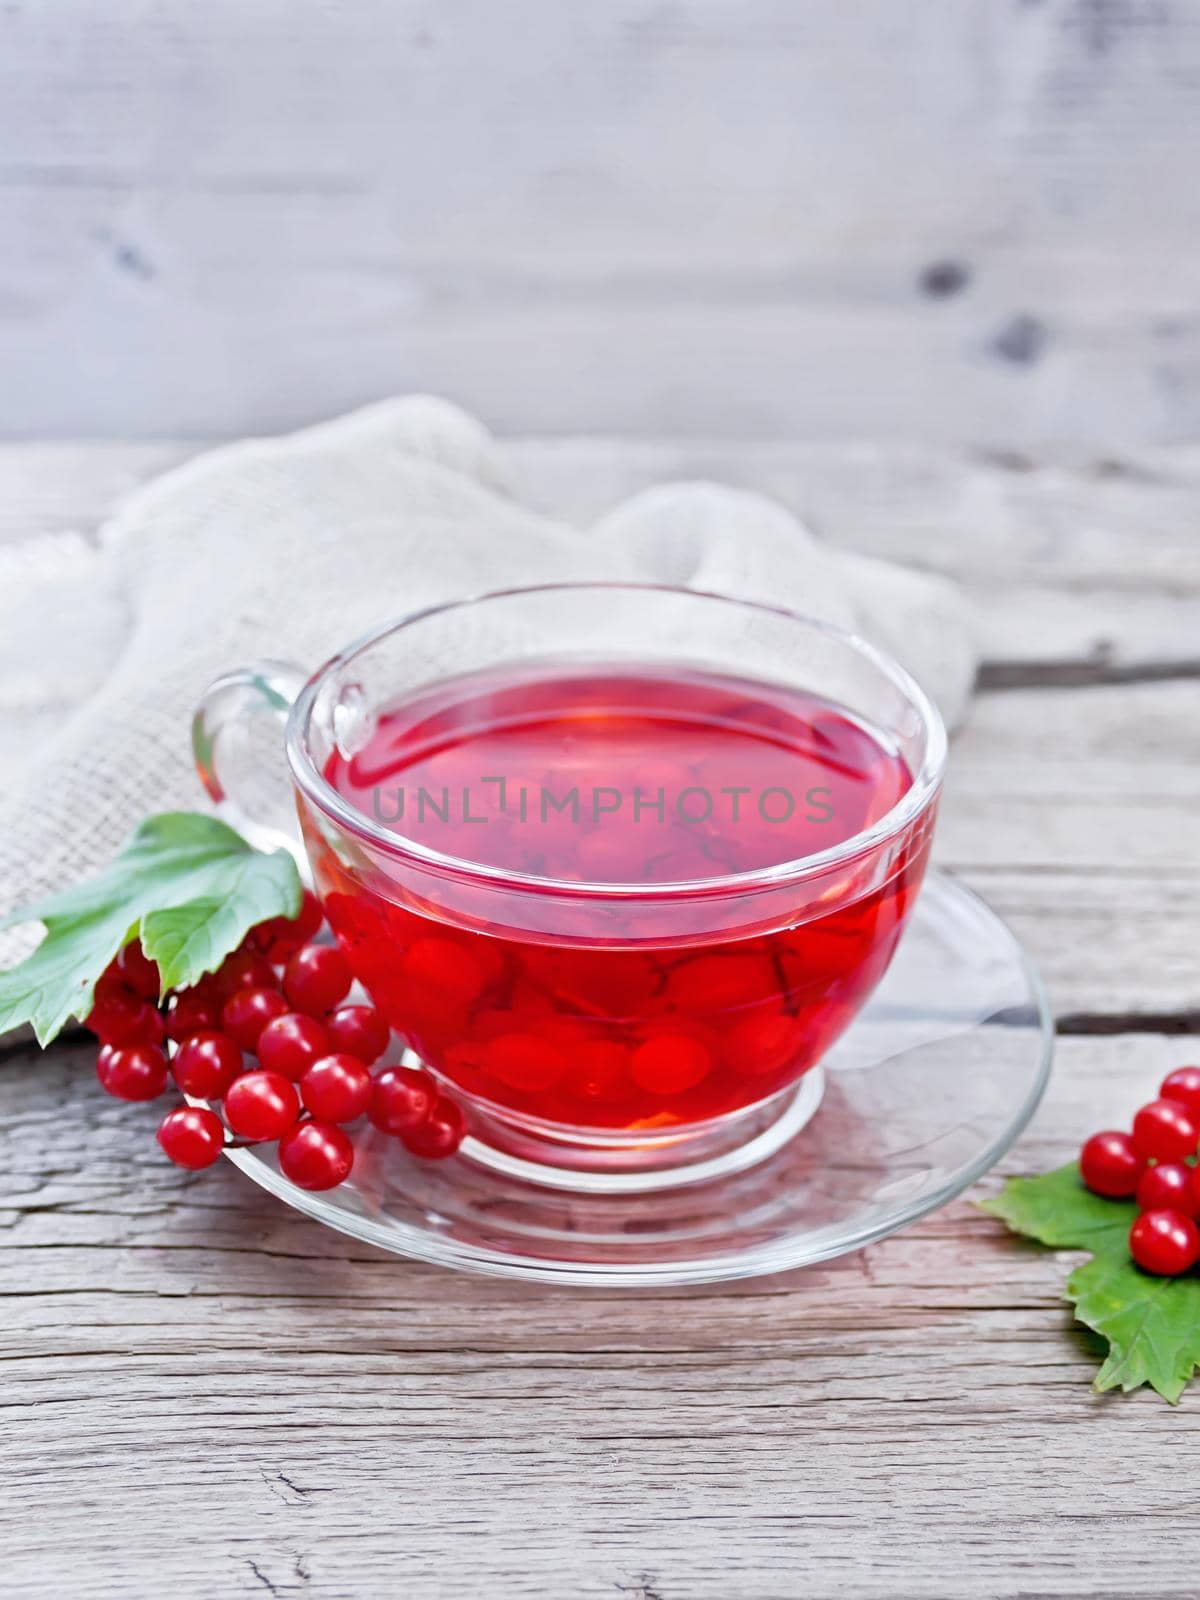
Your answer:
<point x="1155" y="1164"/>
<point x="272" y="1036"/>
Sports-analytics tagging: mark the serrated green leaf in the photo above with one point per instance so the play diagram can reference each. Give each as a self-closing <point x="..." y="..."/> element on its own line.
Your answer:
<point x="1057" y="1210"/>
<point x="1152" y="1324"/>
<point x="189" y="940"/>
<point x="186" y="883"/>
<point x="175" y="842"/>
<point x="57" y="981"/>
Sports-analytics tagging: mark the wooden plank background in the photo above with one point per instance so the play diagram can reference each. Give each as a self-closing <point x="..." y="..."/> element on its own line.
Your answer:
<point x="959" y="221"/>
<point x="930" y="274"/>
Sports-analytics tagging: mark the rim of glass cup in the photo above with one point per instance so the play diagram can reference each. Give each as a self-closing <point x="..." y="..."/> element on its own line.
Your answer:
<point x="924" y="787"/>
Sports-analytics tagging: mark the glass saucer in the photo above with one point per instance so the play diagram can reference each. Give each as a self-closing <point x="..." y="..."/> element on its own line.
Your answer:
<point x="926" y="1090"/>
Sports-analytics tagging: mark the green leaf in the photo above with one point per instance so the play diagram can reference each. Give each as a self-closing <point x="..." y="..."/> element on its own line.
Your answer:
<point x="1057" y="1210"/>
<point x="189" y="940"/>
<point x="1152" y="1325"/>
<point x="186" y="884"/>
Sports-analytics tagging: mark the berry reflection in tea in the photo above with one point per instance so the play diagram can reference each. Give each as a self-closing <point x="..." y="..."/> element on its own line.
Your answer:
<point x="615" y="776"/>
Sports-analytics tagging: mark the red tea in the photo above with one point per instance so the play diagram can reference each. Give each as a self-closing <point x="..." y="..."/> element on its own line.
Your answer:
<point x="625" y="778"/>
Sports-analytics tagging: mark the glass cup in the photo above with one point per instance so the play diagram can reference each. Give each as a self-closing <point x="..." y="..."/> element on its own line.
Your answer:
<point x="595" y="1033"/>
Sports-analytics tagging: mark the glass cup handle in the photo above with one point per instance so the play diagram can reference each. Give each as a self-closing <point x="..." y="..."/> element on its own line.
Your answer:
<point x="237" y="742"/>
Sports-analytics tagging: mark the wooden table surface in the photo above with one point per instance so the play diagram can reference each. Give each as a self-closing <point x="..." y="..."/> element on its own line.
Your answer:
<point x="205" y="1394"/>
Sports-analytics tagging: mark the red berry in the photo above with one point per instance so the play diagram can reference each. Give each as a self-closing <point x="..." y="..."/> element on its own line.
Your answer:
<point x="291" y="1043"/>
<point x="336" y="1089"/>
<point x="1165" y="1131"/>
<point x="316" y="978"/>
<point x="401" y="1099"/>
<point x="261" y="1105"/>
<point x="360" y="1031"/>
<point x="720" y="982"/>
<point x="448" y="967"/>
<point x="244" y="969"/>
<point x="190" y="1012"/>
<point x="206" y="1064"/>
<point x="248" y="1011"/>
<point x="1164" y="1242"/>
<point x="440" y="1134"/>
<point x="138" y="971"/>
<point x="1183" y="1085"/>
<point x="192" y="1137"/>
<point x="110" y="984"/>
<point x="149" y="1028"/>
<point x="123" y="1019"/>
<point x="670" y="1063"/>
<point x="766" y="1041"/>
<point x="315" y="1155"/>
<point x="1167" y="1187"/>
<point x="525" y="1061"/>
<point x="280" y="937"/>
<point x="107" y="1010"/>
<point x="1110" y="1166"/>
<point x="133" y="1072"/>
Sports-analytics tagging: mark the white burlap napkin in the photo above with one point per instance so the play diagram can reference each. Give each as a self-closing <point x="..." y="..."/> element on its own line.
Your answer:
<point x="290" y="547"/>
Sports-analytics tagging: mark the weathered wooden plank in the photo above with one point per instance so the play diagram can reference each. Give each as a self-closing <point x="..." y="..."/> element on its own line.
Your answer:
<point x="959" y="221"/>
<point x="1094" y="562"/>
<point x="977" y="1509"/>
<point x="336" y="1421"/>
<point x="1127" y="522"/>
<point x="1074" y="522"/>
<point x="1104" y="779"/>
<point x="1107" y="945"/>
<point x="90" y="1208"/>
